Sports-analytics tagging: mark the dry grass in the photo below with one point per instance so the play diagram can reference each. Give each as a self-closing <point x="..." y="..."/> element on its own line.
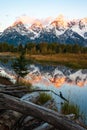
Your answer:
<point x="44" y="97"/>
<point x="75" y="61"/>
<point x="71" y="60"/>
<point x="70" y="109"/>
<point x="9" y="54"/>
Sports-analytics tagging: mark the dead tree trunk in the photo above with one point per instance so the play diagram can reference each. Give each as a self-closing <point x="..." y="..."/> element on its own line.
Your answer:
<point x="17" y="91"/>
<point x="28" y="108"/>
<point x="9" y="118"/>
<point x="30" y="122"/>
<point x="44" y="126"/>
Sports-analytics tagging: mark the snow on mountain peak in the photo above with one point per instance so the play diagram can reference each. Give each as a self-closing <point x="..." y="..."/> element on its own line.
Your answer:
<point x="84" y="20"/>
<point x="60" y="21"/>
<point x="17" y="23"/>
<point x="79" y="26"/>
<point x="37" y="26"/>
<point x="60" y="30"/>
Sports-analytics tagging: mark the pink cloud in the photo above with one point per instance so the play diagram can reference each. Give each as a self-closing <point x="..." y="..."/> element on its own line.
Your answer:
<point x="47" y="20"/>
<point x="25" y="19"/>
<point x="30" y="20"/>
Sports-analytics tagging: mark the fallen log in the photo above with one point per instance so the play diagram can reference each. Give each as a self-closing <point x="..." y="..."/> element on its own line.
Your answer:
<point x="44" y="126"/>
<point x="29" y="122"/>
<point x="22" y="120"/>
<point x="51" y="104"/>
<point x="32" y="97"/>
<point x="19" y="91"/>
<point x="57" y="120"/>
<point x="9" y="118"/>
<point x="12" y="87"/>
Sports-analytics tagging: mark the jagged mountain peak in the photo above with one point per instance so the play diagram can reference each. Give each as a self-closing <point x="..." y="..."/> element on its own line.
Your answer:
<point x="59" y="22"/>
<point x="60" y="30"/>
<point x="79" y="26"/>
<point x="17" y="23"/>
<point x="72" y="23"/>
<point x="84" y="20"/>
<point x="19" y="27"/>
<point x="78" y="22"/>
<point x="36" y="26"/>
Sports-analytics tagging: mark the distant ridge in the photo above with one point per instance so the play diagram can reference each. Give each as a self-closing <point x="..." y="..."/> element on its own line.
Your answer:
<point x="59" y="30"/>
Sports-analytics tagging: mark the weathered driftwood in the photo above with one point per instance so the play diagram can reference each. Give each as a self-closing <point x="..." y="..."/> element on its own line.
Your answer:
<point x="31" y="121"/>
<point x="44" y="126"/>
<point x="51" y="104"/>
<point x="57" y="120"/>
<point x="28" y="123"/>
<point x="27" y="120"/>
<point x="9" y="118"/>
<point x="19" y="91"/>
<point x="10" y="86"/>
<point x="71" y="116"/>
<point x="32" y="97"/>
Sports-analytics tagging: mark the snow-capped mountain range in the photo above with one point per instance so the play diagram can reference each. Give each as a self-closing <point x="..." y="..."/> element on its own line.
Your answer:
<point x="59" y="30"/>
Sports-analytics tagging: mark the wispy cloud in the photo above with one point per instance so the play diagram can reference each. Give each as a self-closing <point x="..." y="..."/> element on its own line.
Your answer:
<point x="30" y="20"/>
<point x="25" y="19"/>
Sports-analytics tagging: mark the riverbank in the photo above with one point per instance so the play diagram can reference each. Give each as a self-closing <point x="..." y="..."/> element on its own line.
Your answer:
<point x="75" y="61"/>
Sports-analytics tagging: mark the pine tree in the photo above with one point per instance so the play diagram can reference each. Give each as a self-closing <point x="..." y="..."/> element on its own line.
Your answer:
<point x="20" y="65"/>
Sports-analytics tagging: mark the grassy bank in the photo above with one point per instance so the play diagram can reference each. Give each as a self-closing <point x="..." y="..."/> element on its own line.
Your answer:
<point x="76" y="61"/>
<point x="70" y="108"/>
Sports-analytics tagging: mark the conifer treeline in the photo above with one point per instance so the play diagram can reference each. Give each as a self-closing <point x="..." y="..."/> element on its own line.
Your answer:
<point x="43" y="48"/>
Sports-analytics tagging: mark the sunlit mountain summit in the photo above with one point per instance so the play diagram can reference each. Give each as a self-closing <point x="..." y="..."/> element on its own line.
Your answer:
<point x="60" y="30"/>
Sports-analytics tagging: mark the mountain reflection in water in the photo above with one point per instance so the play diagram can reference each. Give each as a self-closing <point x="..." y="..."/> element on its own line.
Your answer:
<point x="72" y="84"/>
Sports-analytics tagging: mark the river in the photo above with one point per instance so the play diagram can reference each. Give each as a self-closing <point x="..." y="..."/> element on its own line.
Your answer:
<point x="71" y="83"/>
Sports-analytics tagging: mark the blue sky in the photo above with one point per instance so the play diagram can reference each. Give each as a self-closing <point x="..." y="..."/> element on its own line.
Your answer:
<point x="10" y="10"/>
